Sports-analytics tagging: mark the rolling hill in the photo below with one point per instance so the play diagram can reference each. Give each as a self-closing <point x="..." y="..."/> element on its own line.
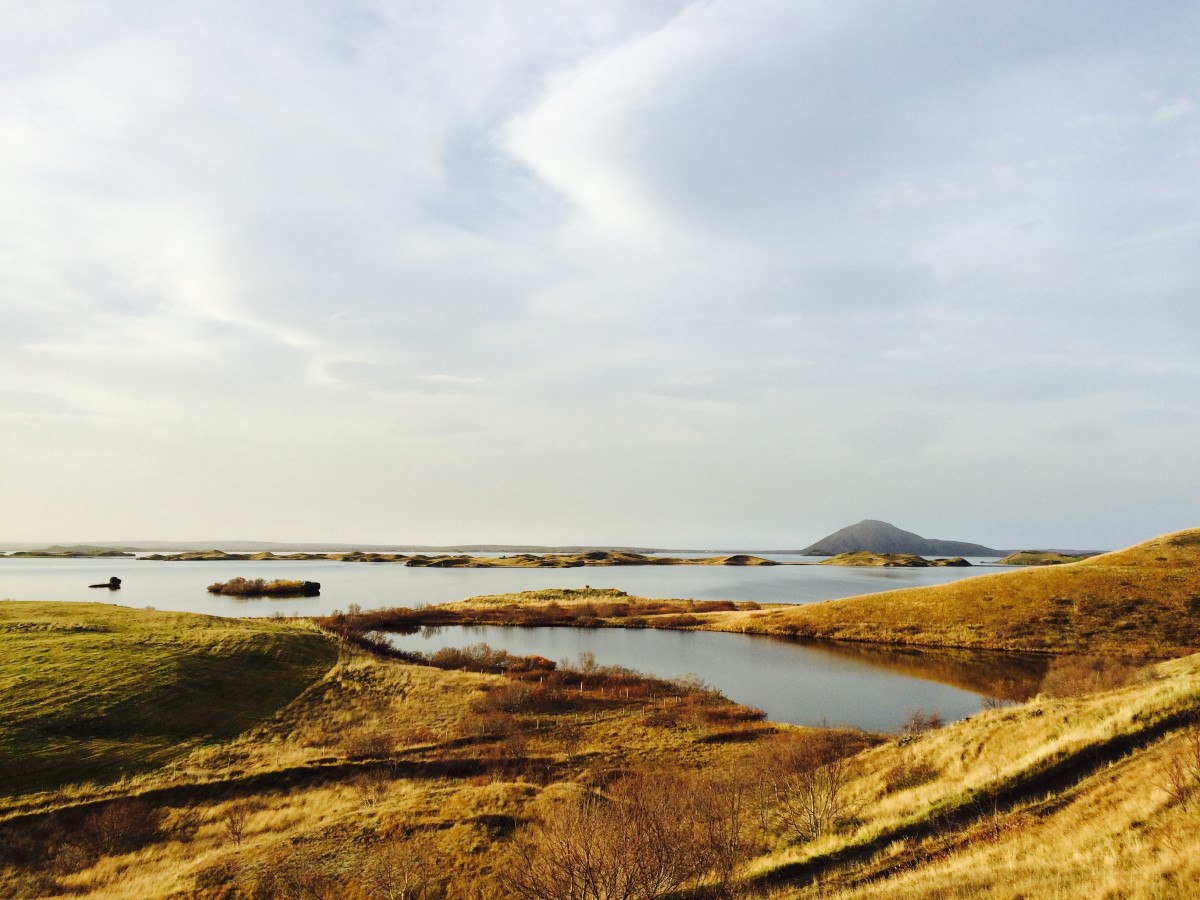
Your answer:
<point x="1144" y="599"/>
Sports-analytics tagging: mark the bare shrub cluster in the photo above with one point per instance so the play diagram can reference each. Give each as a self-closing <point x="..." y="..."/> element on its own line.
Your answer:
<point x="1179" y="774"/>
<point x="910" y="771"/>
<point x="805" y="777"/>
<point x="1074" y="676"/>
<point x="918" y="721"/>
<point x="120" y="827"/>
<point x="646" y="836"/>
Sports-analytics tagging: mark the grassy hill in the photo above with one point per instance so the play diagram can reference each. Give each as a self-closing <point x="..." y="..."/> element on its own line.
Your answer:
<point x="89" y="691"/>
<point x="1052" y="798"/>
<point x="1141" y="600"/>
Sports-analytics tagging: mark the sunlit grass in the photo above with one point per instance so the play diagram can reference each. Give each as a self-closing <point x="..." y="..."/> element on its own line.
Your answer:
<point x="90" y="691"/>
<point x="1144" y="601"/>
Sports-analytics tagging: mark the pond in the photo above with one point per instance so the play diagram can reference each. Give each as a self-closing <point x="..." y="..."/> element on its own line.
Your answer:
<point x="801" y="683"/>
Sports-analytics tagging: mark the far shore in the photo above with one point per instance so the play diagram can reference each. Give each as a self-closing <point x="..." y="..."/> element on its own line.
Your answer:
<point x="507" y="561"/>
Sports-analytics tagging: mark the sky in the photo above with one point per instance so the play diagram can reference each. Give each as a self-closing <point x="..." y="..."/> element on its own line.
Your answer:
<point x="727" y="273"/>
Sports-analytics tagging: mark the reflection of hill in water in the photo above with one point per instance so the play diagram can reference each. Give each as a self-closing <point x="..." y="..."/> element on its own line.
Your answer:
<point x="1006" y="676"/>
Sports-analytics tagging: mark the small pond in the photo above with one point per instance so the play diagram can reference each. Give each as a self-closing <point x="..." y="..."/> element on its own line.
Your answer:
<point x="801" y="683"/>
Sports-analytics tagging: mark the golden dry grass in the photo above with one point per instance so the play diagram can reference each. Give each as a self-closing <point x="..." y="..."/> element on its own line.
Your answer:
<point x="379" y="765"/>
<point x="89" y="691"/>
<point x="1144" y="600"/>
<point x="1048" y="799"/>
<point x="373" y="753"/>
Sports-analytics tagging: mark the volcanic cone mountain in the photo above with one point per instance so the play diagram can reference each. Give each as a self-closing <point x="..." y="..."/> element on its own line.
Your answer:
<point x="880" y="537"/>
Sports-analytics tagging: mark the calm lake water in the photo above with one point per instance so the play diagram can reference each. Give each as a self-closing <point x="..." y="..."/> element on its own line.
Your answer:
<point x="805" y="684"/>
<point x="798" y="683"/>
<point x="181" y="585"/>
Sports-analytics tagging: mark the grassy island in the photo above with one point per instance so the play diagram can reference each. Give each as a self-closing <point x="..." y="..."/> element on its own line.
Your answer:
<point x="72" y="553"/>
<point x="890" y="560"/>
<point x="260" y="587"/>
<point x="1041" y="558"/>
<point x="465" y="561"/>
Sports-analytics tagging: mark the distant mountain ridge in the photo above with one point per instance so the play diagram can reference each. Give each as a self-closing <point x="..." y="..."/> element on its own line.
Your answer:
<point x="880" y="537"/>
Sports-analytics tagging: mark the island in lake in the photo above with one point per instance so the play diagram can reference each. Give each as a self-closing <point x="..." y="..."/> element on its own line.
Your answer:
<point x="465" y="561"/>
<point x="260" y="587"/>
<point x="1043" y="557"/>
<point x="891" y="560"/>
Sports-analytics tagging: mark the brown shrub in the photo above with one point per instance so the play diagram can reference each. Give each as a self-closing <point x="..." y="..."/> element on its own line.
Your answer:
<point x="1074" y="676"/>
<point x="1179" y="774"/>
<point x="521" y="698"/>
<point x="911" y="771"/>
<point x="684" y="621"/>
<point x="370" y="745"/>
<point x="120" y="827"/>
<point x="405" y="868"/>
<point x="234" y="820"/>
<point x="919" y="721"/>
<point x="647" y="836"/>
<point x="801" y="779"/>
<point x="731" y="714"/>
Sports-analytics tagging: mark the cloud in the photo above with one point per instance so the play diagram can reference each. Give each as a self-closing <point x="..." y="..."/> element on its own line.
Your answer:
<point x="32" y="403"/>
<point x="646" y="240"/>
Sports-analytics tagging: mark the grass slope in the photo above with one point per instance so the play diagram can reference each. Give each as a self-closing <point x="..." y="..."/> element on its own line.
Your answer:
<point x="90" y="691"/>
<point x="1141" y="600"/>
<point x="1055" y="798"/>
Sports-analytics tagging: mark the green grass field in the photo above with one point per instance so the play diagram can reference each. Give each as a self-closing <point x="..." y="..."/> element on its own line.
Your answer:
<point x="90" y="692"/>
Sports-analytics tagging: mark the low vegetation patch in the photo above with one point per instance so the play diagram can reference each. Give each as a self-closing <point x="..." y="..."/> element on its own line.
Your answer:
<point x="259" y="587"/>
<point x="585" y="608"/>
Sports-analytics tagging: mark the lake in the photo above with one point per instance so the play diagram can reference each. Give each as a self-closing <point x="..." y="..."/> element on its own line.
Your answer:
<point x="800" y="683"/>
<point x="181" y="585"/>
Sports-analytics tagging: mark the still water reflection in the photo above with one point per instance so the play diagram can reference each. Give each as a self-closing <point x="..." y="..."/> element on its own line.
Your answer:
<point x="800" y="683"/>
